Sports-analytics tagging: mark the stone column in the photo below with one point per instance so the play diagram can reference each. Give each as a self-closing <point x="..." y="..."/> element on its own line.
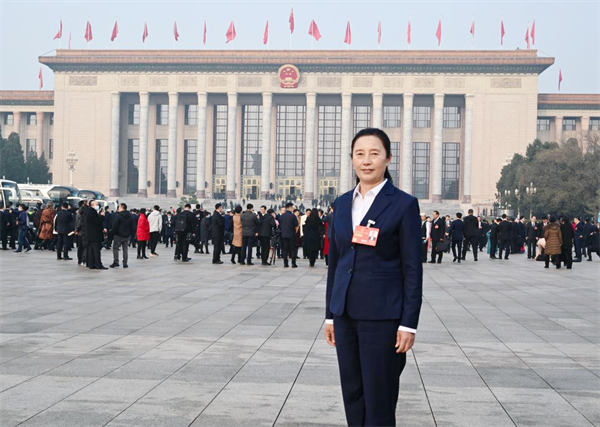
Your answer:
<point x="583" y="132"/>
<point x="201" y="156"/>
<point x="231" y="136"/>
<point x="309" y="158"/>
<point x="558" y="123"/>
<point x="172" y="146"/>
<point x="438" y="132"/>
<point x="265" y="160"/>
<point x="114" y="143"/>
<point x="39" y="142"/>
<point x="17" y="125"/>
<point x="467" y="164"/>
<point x="143" y="162"/>
<point x="346" y="162"/>
<point x="378" y="110"/>
<point x="407" y="143"/>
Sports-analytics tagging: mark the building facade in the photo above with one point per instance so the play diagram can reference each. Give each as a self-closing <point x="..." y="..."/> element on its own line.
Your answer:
<point x="248" y="124"/>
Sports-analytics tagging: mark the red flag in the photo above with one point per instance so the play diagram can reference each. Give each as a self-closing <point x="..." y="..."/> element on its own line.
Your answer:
<point x="438" y="33"/>
<point x="59" y="34"/>
<point x="291" y="20"/>
<point x="115" y="32"/>
<point x="145" y="33"/>
<point x="266" y="35"/>
<point x="502" y="32"/>
<point x="408" y="33"/>
<point x="379" y="33"/>
<point x="230" y="32"/>
<point x="348" y="36"/>
<point x="175" y="33"/>
<point x="559" y="78"/>
<point x="313" y="30"/>
<point x="204" y="37"/>
<point x="533" y="33"/>
<point x="41" y="79"/>
<point x="88" y="32"/>
<point x="473" y="28"/>
<point x="527" y="37"/>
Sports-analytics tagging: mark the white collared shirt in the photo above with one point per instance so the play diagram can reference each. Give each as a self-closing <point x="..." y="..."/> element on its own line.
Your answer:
<point x="360" y="206"/>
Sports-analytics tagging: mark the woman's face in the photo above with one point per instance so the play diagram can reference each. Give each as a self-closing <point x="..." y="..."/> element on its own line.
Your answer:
<point x="369" y="159"/>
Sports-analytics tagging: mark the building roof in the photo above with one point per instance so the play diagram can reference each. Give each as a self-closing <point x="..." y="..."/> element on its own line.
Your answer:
<point x="568" y="101"/>
<point x="26" y="97"/>
<point x="377" y="61"/>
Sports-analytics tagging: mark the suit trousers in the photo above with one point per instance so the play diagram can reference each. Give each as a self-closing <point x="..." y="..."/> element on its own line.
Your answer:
<point x="493" y="247"/>
<point x="217" y="248"/>
<point x="93" y="256"/>
<point x="119" y="242"/>
<point x="578" y="245"/>
<point x="505" y="246"/>
<point x="289" y="250"/>
<point x="62" y="246"/>
<point x="423" y="250"/>
<point x="154" y="236"/>
<point x="265" y="248"/>
<point x="531" y="247"/>
<point x="182" y="245"/>
<point x="247" y="246"/>
<point x="566" y="255"/>
<point x="435" y="251"/>
<point x="459" y="243"/>
<point x="473" y="241"/>
<point x="369" y="368"/>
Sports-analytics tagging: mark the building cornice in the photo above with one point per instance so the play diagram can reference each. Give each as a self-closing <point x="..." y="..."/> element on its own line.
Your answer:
<point x="324" y="61"/>
<point x="573" y="101"/>
<point x="26" y="97"/>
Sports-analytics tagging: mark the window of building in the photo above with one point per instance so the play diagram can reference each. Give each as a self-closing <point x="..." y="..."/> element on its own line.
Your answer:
<point x="51" y="119"/>
<point x="190" y="165"/>
<point x="9" y="119"/>
<point x="191" y="114"/>
<point x="391" y="116"/>
<point x="160" y="166"/>
<point x="569" y="124"/>
<point x="421" y="170"/>
<point x="330" y="140"/>
<point x="251" y="140"/>
<point x="543" y="124"/>
<point x="31" y="119"/>
<point x="421" y="116"/>
<point x="595" y="123"/>
<point x="134" y="114"/>
<point x="220" y="141"/>
<point x="362" y="117"/>
<point x="51" y="149"/>
<point x="133" y="165"/>
<point x="451" y="117"/>
<point x="450" y="170"/>
<point x="162" y="114"/>
<point x="29" y="146"/>
<point x="290" y="140"/>
<point x="394" y="166"/>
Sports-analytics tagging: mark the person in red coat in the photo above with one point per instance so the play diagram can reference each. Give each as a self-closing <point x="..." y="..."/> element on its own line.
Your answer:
<point x="326" y="243"/>
<point x="143" y="234"/>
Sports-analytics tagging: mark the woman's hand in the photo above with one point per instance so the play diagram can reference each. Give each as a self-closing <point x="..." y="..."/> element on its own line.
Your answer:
<point x="404" y="341"/>
<point x="329" y="335"/>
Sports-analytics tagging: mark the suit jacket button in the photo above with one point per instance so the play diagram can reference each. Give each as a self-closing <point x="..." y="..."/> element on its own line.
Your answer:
<point x="350" y="271"/>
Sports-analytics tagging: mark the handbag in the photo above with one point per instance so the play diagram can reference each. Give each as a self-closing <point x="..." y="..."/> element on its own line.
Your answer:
<point x="443" y="246"/>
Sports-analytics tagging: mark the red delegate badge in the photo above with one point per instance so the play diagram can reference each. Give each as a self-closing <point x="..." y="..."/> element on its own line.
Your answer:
<point x="366" y="235"/>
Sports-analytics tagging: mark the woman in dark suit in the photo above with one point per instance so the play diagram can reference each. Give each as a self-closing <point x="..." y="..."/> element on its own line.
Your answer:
<point x="373" y="292"/>
<point x="312" y="238"/>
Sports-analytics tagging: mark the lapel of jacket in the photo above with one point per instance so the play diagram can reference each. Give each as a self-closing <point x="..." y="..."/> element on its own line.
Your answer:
<point x="381" y="202"/>
<point x="344" y="214"/>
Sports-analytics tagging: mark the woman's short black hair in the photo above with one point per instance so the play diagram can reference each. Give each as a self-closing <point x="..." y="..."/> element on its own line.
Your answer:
<point x="385" y="140"/>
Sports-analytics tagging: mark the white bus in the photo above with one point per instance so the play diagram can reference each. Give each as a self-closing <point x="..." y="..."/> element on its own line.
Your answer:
<point x="9" y="192"/>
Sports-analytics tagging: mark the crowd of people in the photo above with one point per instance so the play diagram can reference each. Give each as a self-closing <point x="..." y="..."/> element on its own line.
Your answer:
<point x="270" y="234"/>
<point x="557" y="240"/>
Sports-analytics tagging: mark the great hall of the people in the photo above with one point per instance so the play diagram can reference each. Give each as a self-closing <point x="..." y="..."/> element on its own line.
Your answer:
<point x="246" y="124"/>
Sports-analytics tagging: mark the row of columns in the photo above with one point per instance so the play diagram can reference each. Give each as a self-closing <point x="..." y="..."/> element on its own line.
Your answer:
<point x="310" y="144"/>
<point x="39" y="141"/>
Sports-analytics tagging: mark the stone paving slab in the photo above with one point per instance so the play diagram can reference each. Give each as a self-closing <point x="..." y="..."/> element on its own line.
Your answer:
<point x="500" y="343"/>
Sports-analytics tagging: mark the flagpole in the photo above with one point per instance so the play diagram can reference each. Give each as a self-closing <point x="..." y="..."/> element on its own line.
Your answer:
<point x="233" y="40"/>
<point x="379" y="33"/>
<point x="145" y="26"/>
<point x="312" y="39"/>
<point x="347" y="25"/>
<point x="87" y="44"/>
<point x="533" y="38"/>
<point x="473" y="34"/>
<point x="267" y="33"/>
<point x="290" y="29"/>
<point x="60" y="38"/>
<point x="117" y="36"/>
<point x="410" y="42"/>
<point x="69" y="36"/>
<point x="203" y="34"/>
<point x="501" y="35"/>
<point x="174" y="24"/>
<point x="440" y="43"/>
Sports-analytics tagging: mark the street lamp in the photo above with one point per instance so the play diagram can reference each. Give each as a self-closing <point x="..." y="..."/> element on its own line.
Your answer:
<point x="517" y="201"/>
<point x="531" y="190"/>
<point x="71" y="160"/>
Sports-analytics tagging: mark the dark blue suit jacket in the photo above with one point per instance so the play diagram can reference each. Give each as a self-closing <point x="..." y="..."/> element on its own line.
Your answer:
<point x="383" y="282"/>
<point x="456" y="230"/>
<point x="288" y="224"/>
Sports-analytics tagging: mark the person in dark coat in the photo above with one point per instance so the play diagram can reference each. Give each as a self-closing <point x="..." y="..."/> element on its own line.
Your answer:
<point x="595" y="246"/>
<point x="457" y="234"/>
<point x="265" y="232"/>
<point x="566" y="249"/>
<point x="4" y="223"/>
<point x="288" y="225"/>
<point x="94" y="229"/>
<point x="553" y="236"/>
<point x="494" y="237"/>
<point x="64" y="225"/>
<point x="438" y="231"/>
<point x="505" y="231"/>
<point x="588" y="233"/>
<point x="471" y="232"/>
<point x="578" y="238"/>
<point x="169" y="229"/>
<point x="107" y="223"/>
<point x="312" y="227"/>
<point x="218" y="233"/>
<point x="249" y="233"/>
<point x="184" y="229"/>
<point x="121" y="229"/>
<point x="205" y="232"/>
<point x="532" y="236"/>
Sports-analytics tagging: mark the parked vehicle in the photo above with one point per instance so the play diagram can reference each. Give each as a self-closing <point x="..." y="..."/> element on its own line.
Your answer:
<point x="30" y="200"/>
<point x="57" y="193"/>
<point x="10" y="192"/>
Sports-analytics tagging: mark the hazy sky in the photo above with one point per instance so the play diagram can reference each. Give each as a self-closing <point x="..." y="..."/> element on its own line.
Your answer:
<point x="566" y="30"/>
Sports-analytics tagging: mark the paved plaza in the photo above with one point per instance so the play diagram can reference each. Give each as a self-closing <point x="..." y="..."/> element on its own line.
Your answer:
<point x="500" y="343"/>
